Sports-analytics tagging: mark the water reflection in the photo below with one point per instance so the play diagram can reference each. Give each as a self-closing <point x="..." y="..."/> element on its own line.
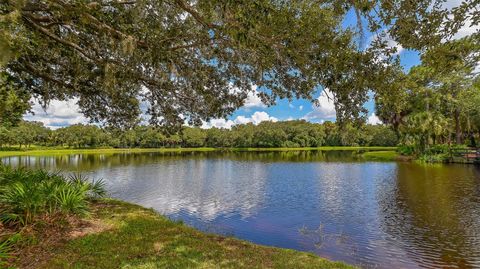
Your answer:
<point x="86" y="162"/>
<point x="434" y="211"/>
<point x="384" y="215"/>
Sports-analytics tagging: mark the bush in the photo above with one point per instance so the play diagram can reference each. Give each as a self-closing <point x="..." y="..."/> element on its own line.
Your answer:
<point x="434" y="158"/>
<point x="437" y="149"/>
<point x="406" y="150"/>
<point x="5" y="248"/>
<point x="385" y="137"/>
<point x="27" y="194"/>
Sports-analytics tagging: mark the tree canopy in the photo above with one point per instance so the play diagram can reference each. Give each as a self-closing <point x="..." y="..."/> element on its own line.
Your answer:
<point x="186" y="60"/>
<point x="291" y="134"/>
<point x="433" y="102"/>
<point x="14" y="101"/>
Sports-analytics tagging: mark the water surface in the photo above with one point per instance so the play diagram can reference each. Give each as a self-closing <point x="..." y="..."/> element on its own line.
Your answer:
<point x="372" y="214"/>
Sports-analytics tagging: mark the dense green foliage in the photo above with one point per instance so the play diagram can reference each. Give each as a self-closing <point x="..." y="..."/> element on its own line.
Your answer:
<point x="194" y="60"/>
<point x="31" y="198"/>
<point x="437" y="101"/>
<point x="4" y="252"/>
<point x="264" y="135"/>
<point x="25" y="134"/>
<point x="26" y="195"/>
<point x="187" y="59"/>
<point x="14" y="101"/>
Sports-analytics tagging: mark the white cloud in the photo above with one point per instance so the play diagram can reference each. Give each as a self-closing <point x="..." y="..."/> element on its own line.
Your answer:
<point x="290" y="105"/>
<point x="253" y="100"/>
<point x="256" y="118"/>
<point x="64" y="113"/>
<point x="373" y="120"/>
<point x="58" y="114"/>
<point x="325" y="109"/>
<point x="467" y="29"/>
<point x="218" y="123"/>
<point x="394" y="44"/>
<point x="300" y="108"/>
<point x="451" y="4"/>
<point x="390" y="42"/>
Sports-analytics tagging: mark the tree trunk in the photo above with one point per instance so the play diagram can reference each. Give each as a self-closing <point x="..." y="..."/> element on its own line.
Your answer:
<point x="458" y="131"/>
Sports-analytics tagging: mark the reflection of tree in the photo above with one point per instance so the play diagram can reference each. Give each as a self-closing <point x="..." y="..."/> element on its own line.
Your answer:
<point x="433" y="212"/>
<point x="295" y="156"/>
<point x="89" y="162"/>
<point x="348" y="209"/>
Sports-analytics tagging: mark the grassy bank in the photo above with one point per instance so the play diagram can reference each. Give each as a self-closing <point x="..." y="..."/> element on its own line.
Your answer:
<point x="122" y="235"/>
<point x="56" y="151"/>
<point x="382" y="156"/>
<point x="50" y="220"/>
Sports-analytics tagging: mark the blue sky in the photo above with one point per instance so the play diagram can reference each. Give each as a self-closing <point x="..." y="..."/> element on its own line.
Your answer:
<point x="304" y="109"/>
<point x="61" y="114"/>
<point x="299" y="108"/>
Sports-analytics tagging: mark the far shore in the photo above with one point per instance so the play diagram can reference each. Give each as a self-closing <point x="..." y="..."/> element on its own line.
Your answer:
<point x="36" y="151"/>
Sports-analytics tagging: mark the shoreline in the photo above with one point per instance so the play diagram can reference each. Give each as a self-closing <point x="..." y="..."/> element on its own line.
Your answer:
<point x="120" y="234"/>
<point x="66" y="151"/>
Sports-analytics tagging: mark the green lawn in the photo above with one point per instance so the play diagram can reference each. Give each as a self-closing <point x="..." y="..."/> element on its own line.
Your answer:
<point x="386" y="156"/>
<point x="56" y="151"/>
<point x="135" y="237"/>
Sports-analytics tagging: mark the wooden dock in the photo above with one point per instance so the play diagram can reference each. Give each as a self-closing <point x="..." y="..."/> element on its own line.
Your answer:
<point x="468" y="155"/>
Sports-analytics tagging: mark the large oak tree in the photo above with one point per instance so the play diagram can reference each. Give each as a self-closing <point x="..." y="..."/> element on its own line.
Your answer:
<point x="194" y="60"/>
<point x="187" y="59"/>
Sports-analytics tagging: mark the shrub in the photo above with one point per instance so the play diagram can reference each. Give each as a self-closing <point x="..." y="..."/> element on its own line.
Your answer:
<point x="5" y="248"/>
<point x="406" y="150"/>
<point x="28" y="194"/>
<point x="434" y="158"/>
<point x="437" y="149"/>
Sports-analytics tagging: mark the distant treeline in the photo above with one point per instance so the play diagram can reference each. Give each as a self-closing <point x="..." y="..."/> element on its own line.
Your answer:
<point x="297" y="133"/>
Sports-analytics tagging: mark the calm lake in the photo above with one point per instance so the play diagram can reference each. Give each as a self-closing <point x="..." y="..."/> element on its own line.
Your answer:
<point x="372" y="214"/>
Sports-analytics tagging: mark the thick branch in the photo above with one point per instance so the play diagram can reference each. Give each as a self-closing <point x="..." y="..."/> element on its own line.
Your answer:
<point x="58" y="39"/>
<point x="46" y="76"/>
<point x="116" y="33"/>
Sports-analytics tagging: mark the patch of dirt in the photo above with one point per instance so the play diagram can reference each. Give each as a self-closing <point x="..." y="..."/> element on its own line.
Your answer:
<point x="41" y="242"/>
<point x="87" y="227"/>
<point x="36" y="244"/>
<point x="158" y="246"/>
